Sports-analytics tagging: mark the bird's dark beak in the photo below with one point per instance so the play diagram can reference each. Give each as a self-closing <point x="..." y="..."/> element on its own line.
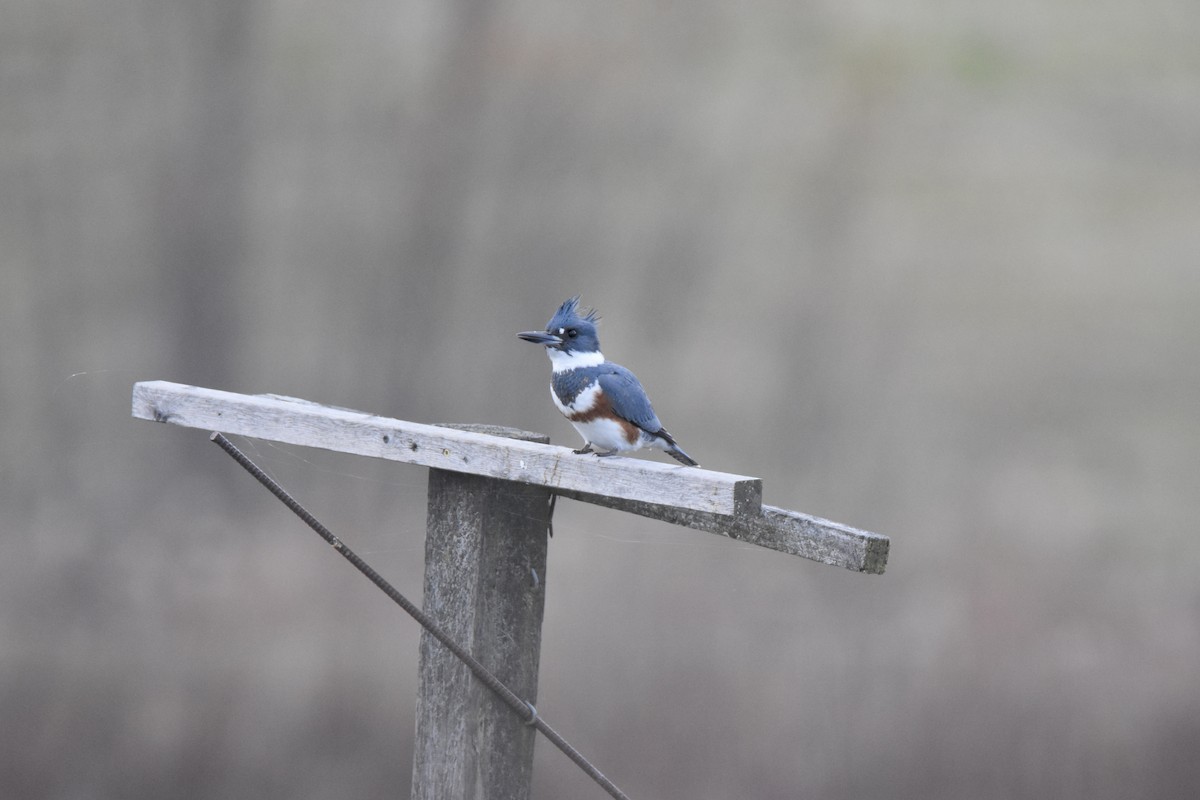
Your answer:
<point x="540" y="337"/>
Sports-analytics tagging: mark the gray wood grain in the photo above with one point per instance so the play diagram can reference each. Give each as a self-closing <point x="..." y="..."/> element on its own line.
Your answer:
<point x="774" y="528"/>
<point x="294" y="421"/>
<point x="717" y="502"/>
<point x="485" y="583"/>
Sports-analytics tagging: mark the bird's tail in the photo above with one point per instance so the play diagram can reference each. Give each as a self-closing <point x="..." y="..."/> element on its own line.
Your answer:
<point x="667" y="442"/>
<point x="675" y="452"/>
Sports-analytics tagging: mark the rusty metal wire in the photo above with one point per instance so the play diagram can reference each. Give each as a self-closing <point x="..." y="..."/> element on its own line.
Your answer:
<point x="523" y="709"/>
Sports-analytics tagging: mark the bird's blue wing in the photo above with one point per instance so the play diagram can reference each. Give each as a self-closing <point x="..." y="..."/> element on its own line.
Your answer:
<point x="628" y="398"/>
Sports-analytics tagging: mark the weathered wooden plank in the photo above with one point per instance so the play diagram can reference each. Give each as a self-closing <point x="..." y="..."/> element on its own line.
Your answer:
<point x="294" y="421"/>
<point x="775" y="528"/>
<point x="485" y="584"/>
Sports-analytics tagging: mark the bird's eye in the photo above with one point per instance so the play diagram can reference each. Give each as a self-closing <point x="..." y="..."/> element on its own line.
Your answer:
<point x="572" y="332"/>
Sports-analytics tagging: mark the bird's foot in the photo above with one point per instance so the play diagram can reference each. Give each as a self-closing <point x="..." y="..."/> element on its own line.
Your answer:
<point x="587" y="448"/>
<point x="607" y="453"/>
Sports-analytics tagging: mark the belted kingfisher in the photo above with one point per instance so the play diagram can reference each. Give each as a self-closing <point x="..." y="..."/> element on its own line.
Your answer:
<point x="603" y="400"/>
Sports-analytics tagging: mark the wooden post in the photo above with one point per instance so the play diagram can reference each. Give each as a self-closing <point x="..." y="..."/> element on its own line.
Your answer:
<point x="717" y="502"/>
<point x="286" y="419"/>
<point x="485" y="579"/>
<point x="485" y="553"/>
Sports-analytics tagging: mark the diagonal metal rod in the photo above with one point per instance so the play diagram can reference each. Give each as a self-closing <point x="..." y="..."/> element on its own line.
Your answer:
<point x="521" y="708"/>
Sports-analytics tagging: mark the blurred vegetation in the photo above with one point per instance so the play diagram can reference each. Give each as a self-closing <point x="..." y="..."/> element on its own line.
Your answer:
<point x="927" y="269"/>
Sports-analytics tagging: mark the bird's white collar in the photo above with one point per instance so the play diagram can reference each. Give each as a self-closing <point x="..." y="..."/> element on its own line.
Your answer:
<point x="561" y="361"/>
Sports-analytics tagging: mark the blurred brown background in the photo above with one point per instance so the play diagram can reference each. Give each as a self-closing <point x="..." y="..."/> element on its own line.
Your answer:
<point x="928" y="269"/>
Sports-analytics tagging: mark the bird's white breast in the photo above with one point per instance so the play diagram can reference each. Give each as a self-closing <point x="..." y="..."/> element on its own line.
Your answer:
<point x="584" y="401"/>
<point x="607" y="434"/>
<point x="604" y="433"/>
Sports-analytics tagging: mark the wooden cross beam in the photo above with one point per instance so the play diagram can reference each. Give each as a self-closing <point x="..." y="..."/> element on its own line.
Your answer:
<point x="717" y="502"/>
<point x="485" y="552"/>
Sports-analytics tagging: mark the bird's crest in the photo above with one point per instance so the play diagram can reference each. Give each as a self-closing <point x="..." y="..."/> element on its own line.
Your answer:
<point x="569" y="311"/>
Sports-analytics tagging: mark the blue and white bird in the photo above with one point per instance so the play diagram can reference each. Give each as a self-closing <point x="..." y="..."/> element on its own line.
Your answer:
<point x="604" y="401"/>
